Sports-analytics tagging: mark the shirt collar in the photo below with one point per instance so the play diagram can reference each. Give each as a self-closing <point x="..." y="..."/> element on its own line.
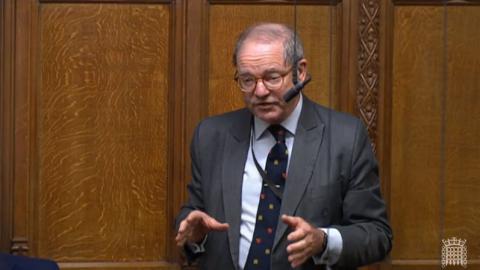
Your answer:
<point x="289" y="124"/>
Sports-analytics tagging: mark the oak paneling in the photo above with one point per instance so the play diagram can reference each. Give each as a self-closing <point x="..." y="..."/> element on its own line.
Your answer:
<point x="416" y="132"/>
<point x="435" y="132"/>
<point x="89" y="128"/>
<point x="462" y="138"/>
<point x="316" y="24"/>
<point x="103" y="132"/>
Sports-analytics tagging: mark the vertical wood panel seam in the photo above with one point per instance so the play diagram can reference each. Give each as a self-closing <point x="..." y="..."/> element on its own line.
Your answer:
<point x="177" y="125"/>
<point x="385" y="106"/>
<point x="385" y="109"/>
<point x="204" y="58"/>
<point x="19" y="243"/>
<point x="33" y="121"/>
<point x="171" y="119"/>
<point x="7" y="136"/>
<point x="443" y="129"/>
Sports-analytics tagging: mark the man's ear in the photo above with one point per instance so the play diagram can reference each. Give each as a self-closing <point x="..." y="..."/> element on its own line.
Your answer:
<point x="302" y="69"/>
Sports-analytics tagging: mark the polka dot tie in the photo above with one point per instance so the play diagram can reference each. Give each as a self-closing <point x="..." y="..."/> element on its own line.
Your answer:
<point x="269" y="204"/>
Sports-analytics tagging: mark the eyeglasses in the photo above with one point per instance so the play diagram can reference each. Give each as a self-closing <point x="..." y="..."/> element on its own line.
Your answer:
<point x="273" y="81"/>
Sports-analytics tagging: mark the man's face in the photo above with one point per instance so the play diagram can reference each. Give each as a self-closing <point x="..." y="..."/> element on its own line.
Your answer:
<point x="260" y="59"/>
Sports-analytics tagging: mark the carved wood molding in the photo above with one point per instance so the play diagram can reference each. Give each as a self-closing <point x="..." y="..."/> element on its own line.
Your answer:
<point x="368" y="65"/>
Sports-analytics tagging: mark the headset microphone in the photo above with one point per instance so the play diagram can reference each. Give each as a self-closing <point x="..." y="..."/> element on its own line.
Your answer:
<point x="295" y="90"/>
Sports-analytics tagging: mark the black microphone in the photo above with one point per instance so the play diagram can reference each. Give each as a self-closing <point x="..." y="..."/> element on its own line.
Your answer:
<point x="295" y="90"/>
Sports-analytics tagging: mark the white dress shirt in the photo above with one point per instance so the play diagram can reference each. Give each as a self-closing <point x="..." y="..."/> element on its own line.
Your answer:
<point x="252" y="186"/>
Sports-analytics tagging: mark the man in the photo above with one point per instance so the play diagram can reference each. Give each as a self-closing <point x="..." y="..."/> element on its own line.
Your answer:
<point x="281" y="185"/>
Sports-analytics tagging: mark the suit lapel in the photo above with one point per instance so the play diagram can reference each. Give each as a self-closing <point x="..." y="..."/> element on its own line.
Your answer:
<point x="308" y="139"/>
<point x="235" y="156"/>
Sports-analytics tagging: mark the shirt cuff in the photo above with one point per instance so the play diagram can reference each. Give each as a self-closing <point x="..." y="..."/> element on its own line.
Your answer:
<point x="333" y="250"/>
<point x="198" y="248"/>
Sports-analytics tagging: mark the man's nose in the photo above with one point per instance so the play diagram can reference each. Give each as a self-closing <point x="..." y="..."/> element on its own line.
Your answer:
<point x="260" y="89"/>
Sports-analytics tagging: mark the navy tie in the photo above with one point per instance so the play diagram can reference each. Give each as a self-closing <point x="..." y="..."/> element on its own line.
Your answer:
<point x="269" y="204"/>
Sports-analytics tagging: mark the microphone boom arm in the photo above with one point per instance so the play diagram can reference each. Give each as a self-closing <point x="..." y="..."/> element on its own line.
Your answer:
<point x="295" y="90"/>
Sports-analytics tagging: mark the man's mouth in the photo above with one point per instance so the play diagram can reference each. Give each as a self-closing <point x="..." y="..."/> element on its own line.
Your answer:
<point x="265" y="104"/>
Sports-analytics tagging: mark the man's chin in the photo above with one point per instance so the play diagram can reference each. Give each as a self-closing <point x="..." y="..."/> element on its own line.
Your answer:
<point x="269" y="117"/>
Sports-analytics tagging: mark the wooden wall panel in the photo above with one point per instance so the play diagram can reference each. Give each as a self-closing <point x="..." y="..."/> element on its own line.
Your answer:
<point x="416" y="132"/>
<point x="435" y="132"/>
<point x="316" y="25"/>
<point x="98" y="102"/>
<point x="103" y="133"/>
<point x="462" y="125"/>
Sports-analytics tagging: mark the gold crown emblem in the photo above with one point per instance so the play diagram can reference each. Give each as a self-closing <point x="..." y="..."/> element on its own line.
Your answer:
<point x="454" y="242"/>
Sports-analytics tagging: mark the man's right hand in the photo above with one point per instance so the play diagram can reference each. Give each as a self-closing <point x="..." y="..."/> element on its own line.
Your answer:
<point x="196" y="226"/>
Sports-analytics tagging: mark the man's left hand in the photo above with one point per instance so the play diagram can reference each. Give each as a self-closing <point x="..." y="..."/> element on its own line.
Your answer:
<point x="305" y="240"/>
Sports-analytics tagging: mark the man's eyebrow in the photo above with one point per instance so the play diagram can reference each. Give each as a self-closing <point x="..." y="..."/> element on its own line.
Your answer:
<point x="265" y="72"/>
<point x="271" y="70"/>
<point x="245" y="74"/>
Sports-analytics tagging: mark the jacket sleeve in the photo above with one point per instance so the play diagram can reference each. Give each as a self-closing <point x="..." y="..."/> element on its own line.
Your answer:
<point x="365" y="230"/>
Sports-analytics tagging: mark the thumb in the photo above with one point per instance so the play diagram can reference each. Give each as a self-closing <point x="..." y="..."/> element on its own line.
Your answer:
<point x="291" y="221"/>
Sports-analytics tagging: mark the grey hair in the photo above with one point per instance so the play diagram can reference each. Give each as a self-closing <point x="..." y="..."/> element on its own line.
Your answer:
<point x="270" y="32"/>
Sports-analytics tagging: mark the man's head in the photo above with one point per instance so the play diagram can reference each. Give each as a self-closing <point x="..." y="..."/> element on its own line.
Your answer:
<point x="268" y="51"/>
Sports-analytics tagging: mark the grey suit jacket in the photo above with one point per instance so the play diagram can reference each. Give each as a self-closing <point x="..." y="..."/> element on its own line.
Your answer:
<point x="332" y="182"/>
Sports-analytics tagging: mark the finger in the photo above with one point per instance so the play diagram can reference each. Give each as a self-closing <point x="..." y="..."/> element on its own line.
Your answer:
<point x="297" y="235"/>
<point x="183" y="227"/>
<point x="298" y="262"/>
<point x="213" y="224"/>
<point x="182" y="230"/>
<point x="186" y="227"/>
<point x="209" y="222"/>
<point x="298" y="258"/>
<point x="195" y="217"/>
<point x="180" y="243"/>
<point x="296" y="247"/>
<point x="291" y="221"/>
<point x="180" y="240"/>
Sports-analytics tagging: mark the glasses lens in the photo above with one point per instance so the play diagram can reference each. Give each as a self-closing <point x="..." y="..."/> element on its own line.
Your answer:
<point x="246" y="83"/>
<point x="273" y="81"/>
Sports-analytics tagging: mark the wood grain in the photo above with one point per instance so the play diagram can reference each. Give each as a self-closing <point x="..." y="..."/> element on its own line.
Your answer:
<point x="102" y="132"/>
<point x="416" y="132"/>
<point x="462" y="138"/>
<point x="314" y="26"/>
<point x="435" y="131"/>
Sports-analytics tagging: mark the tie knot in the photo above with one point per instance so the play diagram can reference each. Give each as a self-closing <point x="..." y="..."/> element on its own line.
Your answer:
<point x="278" y="132"/>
